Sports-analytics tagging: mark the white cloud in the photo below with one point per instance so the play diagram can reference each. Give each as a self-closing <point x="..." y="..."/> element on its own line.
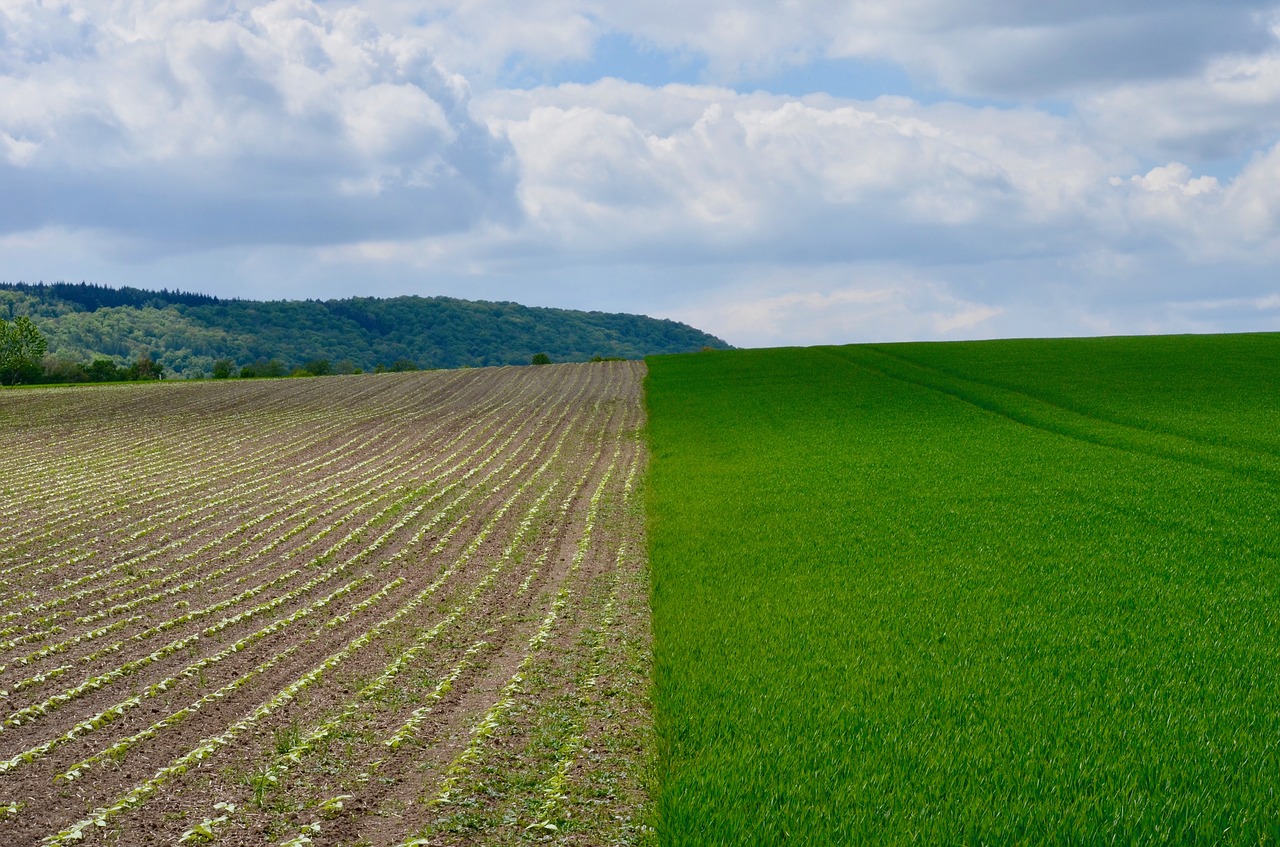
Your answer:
<point x="1055" y="49"/>
<point x="1250" y="210"/>
<point x="1231" y="107"/>
<point x="821" y="307"/>
<point x="1204" y="220"/>
<point x="973" y="47"/>
<point x="480" y="37"/>
<point x="976" y="221"/>
<point x="686" y="170"/>
<point x="201" y="123"/>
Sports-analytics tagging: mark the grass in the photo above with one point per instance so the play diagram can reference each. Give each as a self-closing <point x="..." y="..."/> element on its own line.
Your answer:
<point x="981" y="593"/>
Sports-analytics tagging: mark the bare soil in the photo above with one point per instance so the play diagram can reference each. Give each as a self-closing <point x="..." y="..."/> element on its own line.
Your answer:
<point x="460" y="550"/>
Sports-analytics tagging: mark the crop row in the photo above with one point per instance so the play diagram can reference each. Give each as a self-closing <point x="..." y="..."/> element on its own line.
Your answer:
<point x="460" y="768"/>
<point x="510" y="554"/>
<point x="329" y="526"/>
<point x="409" y="726"/>
<point x="290" y="470"/>
<point x="101" y="679"/>
<point x="114" y="477"/>
<point x="234" y="470"/>
<point x="179" y="766"/>
<point x="440" y="527"/>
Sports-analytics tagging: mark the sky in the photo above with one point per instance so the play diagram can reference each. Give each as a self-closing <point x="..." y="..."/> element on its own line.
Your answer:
<point x="776" y="173"/>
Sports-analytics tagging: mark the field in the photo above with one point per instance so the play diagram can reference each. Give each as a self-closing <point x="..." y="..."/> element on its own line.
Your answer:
<point x="1021" y="592"/>
<point x="989" y="593"/>
<point x="390" y="609"/>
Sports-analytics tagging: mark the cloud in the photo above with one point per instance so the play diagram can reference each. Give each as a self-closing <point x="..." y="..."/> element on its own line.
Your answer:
<point x="977" y="47"/>
<point x="836" y="306"/>
<point x="289" y="147"/>
<point x="1203" y="219"/>
<point x="983" y="221"/>
<point x="859" y="302"/>
<point x="190" y="125"/>
<point x="1230" y="108"/>
<point x="994" y="47"/>
<point x="696" y="171"/>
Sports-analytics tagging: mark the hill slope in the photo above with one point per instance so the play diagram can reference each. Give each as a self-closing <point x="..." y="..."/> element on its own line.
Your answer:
<point x="186" y="333"/>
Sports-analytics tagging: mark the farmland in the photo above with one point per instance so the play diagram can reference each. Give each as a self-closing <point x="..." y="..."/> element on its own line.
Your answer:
<point x="1018" y="592"/>
<point x="387" y="609"/>
<point x="999" y="592"/>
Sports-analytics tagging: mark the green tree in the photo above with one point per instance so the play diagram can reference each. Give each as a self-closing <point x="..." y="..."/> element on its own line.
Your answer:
<point x="145" y="368"/>
<point x="318" y="367"/>
<point x="540" y="359"/>
<point x="223" y="369"/>
<point x="105" y="370"/>
<point x="63" y="370"/>
<point x="21" y="349"/>
<point x="263" y="367"/>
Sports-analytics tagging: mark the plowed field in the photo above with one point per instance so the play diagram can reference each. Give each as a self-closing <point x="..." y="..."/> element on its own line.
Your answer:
<point x="386" y="609"/>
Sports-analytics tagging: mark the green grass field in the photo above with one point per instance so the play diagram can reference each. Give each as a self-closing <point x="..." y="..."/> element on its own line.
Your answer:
<point x="980" y="593"/>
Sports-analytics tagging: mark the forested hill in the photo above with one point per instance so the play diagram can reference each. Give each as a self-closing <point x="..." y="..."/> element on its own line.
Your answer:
<point x="186" y="333"/>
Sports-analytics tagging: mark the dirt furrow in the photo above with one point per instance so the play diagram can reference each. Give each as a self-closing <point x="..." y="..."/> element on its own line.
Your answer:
<point x="439" y="534"/>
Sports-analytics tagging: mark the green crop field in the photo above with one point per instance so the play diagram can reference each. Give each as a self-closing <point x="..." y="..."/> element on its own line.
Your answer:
<point x="981" y="593"/>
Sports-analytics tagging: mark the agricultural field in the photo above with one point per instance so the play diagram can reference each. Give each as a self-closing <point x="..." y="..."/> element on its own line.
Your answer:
<point x="397" y="609"/>
<point x="1017" y="592"/>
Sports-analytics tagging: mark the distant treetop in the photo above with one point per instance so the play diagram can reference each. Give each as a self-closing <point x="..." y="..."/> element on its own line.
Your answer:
<point x="90" y="297"/>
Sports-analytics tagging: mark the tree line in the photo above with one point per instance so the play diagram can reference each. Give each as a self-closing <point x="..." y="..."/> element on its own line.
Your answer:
<point x="189" y="333"/>
<point x="24" y="361"/>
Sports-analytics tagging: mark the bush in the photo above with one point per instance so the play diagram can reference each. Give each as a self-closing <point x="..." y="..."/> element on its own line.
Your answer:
<point x="540" y="359"/>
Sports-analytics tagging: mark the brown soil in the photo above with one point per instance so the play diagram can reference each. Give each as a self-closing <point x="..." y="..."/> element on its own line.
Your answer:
<point x="466" y="495"/>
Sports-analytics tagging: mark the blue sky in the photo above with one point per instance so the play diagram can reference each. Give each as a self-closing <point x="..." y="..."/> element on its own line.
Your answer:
<point x="777" y="173"/>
